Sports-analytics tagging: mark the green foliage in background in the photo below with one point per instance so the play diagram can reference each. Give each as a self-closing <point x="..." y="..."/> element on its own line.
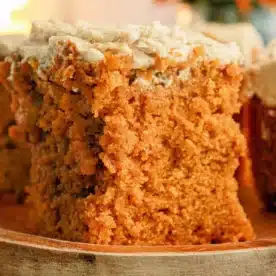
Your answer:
<point x="224" y="11"/>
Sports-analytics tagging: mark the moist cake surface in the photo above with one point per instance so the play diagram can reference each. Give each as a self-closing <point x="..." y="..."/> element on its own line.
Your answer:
<point x="252" y="48"/>
<point x="133" y="140"/>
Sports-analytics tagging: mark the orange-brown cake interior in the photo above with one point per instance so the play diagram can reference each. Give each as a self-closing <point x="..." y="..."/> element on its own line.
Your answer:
<point x="14" y="153"/>
<point x="131" y="156"/>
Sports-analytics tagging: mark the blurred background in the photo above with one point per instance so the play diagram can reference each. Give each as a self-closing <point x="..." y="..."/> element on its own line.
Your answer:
<point x="16" y="15"/>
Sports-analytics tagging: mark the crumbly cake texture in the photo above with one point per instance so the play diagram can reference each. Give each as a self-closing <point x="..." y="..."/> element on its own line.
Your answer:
<point x="252" y="47"/>
<point x="14" y="156"/>
<point x="133" y="140"/>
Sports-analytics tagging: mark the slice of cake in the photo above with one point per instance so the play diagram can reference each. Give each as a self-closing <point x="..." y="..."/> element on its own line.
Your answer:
<point x="14" y="154"/>
<point x="132" y="132"/>
<point x="262" y="124"/>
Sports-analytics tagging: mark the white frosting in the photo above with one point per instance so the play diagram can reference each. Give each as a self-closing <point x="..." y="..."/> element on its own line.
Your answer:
<point x="143" y="42"/>
<point x="265" y="80"/>
<point x="84" y="47"/>
<point x="244" y="34"/>
<point x="41" y="31"/>
<point x="9" y="43"/>
<point x="271" y="50"/>
<point x="140" y="59"/>
<point x="185" y="74"/>
<point x="159" y="79"/>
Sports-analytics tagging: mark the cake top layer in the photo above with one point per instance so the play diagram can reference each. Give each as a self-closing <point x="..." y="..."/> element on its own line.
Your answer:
<point x="143" y="42"/>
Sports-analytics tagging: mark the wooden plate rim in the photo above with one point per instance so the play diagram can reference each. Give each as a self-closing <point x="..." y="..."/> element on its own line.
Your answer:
<point x="28" y="240"/>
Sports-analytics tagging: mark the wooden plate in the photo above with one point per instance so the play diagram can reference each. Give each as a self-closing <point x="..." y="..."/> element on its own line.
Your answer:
<point x="25" y="254"/>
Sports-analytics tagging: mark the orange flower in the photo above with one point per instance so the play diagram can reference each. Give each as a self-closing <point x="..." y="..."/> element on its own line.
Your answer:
<point x="245" y="5"/>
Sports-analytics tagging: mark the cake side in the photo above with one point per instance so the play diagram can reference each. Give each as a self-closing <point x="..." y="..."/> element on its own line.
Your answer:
<point x="252" y="47"/>
<point x="127" y="154"/>
<point x="14" y="154"/>
<point x="262" y="119"/>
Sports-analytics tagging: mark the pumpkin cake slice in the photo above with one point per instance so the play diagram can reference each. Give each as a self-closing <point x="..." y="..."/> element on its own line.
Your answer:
<point x="132" y="132"/>
<point x="14" y="153"/>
